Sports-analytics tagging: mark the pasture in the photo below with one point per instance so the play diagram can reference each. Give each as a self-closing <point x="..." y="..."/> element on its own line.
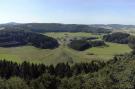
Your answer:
<point x="63" y="53"/>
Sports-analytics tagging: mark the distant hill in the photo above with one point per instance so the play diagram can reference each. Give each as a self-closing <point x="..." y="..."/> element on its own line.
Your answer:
<point x="54" y="27"/>
<point x="57" y="27"/>
<point x="114" y="26"/>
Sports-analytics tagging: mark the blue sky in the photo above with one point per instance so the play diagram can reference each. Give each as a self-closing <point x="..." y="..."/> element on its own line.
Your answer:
<point x="68" y="11"/>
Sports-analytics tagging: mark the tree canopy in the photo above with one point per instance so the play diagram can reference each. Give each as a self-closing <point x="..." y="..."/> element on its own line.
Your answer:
<point x="117" y="37"/>
<point x="132" y="43"/>
<point x="84" y="44"/>
<point x="10" y="38"/>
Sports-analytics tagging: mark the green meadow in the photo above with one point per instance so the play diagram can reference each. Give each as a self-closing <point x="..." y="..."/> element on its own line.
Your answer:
<point x="63" y="53"/>
<point x="70" y="34"/>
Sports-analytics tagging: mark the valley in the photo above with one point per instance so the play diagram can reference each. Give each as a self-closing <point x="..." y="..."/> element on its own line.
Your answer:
<point x="63" y="53"/>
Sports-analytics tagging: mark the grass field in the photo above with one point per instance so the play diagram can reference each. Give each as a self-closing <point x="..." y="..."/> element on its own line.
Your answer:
<point x="109" y="52"/>
<point x="71" y="34"/>
<point x="64" y="37"/>
<point x="63" y="53"/>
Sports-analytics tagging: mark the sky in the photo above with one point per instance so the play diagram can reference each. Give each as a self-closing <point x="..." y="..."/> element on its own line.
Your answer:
<point x="68" y="11"/>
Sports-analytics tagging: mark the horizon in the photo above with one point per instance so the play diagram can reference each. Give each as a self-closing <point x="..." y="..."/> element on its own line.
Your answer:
<point x="68" y="11"/>
<point x="59" y="23"/>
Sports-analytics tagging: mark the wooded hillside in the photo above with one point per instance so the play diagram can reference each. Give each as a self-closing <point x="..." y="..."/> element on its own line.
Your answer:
<point x="10" y="38"/>
<point x="55" y="27"/>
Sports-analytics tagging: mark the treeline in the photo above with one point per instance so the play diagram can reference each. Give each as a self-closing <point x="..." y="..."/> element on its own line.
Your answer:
<point x="40" y="76"/>
<point x="84" y="44"/>
<point x="10" y="38"/>
<point x="30" y="71"/>
<point x="117" y="37"/>
<point x="55" y="27"/>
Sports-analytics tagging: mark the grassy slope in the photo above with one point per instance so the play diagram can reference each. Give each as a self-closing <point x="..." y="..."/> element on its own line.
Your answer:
<point x="70" y="34"/>
<point x="109" y="52"/>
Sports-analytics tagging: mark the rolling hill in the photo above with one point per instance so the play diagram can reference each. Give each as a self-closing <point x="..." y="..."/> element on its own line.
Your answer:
<point x="53" y="27"/>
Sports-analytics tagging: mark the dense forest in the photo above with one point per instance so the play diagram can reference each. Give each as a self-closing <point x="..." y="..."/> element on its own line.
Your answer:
<point x="30" y="71"/>
<point x="79" y="45"/>
<point x="40" y="76"/>
<point x="10" y="38"/>
<point x="117" y="37"/>
<point x="54" y="27"/>
<point x="117" y="73"/>
<point x="84" y="44"/>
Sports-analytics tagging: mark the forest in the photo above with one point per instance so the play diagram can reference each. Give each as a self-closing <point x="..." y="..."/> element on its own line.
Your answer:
<point x="84" y="44"/>
<point x="13" y="38"/>
<point x="30" y="74"/>
<point x="117" y="37"/>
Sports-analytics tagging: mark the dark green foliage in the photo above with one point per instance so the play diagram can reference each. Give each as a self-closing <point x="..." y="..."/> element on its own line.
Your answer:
<point x="117" y="37"/>
<point x="97" y="43"/>
<point x="13" y="83"/>
<point x="24" y="70"/>
<point x="33" y="76"/>
<point x="10" y="38"/>
<point x="29" y="71"/>
<point x="84" y="44"/>
<point x="45" y="82"/>
<point x="132" y="43"/>
<point x="62" y="70"/>
<point x="73" y="83"/>
<point x="118" y="73"/>
<point x="16" y="83"/>
<point x="91" y="38"/>
<point x="87" y="67"/>
<point x="79" y="45"/>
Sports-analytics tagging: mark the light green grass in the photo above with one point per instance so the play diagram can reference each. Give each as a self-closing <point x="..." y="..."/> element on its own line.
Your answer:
<point x="65" y="37"/>
<point x="70" y="34"/>
<point x="110" y="51"/>
<point x="61" y="54"/>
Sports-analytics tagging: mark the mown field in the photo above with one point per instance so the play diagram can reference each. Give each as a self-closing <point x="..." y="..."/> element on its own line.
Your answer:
<point x="63" y="53"/>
